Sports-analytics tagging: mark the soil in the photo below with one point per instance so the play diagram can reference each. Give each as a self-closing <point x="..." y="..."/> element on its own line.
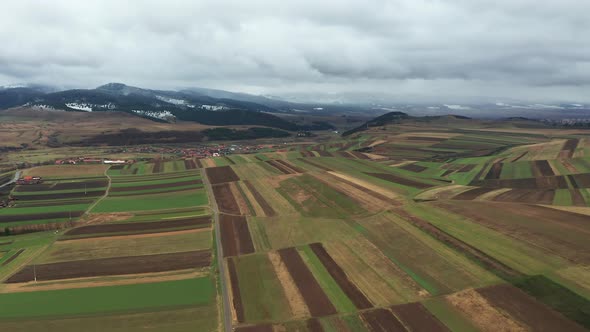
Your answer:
<point x="473" y="193"/>
<point x="140" y="226"/>
<point x="527" y="196"/>
<point x="400" y="180"/>
<point x="494" y="172"/>
<point x="235" y="236"/>
<point x="221" y="174"/>
<point x="199" y="163"/>
<point x="577" y="198"/>
<point x="307" y="161"/>
<point x="357" y="297"/>
<point x="296" y="302"/>
<point x="382" y="320"/>
<point x="279" y="167"/>
<point x="317" y="301"/>
<point x="569" y="147"/>
<point x="41" y="216"/>
<point x="13" y="257"/>
<point x="268" y="210"/>
<point x="62" y="186"/>
<point x="114" y="266"/>
<point x="292" y="167"/>
<point x="225" y="199"/>
<point x="60" y="196"/>
<point x="414" y="168"/>
<point x="542" y="168"/>
<point x="156" y="186"/>
<point x="314" y="325"/>
<point x="235" y="287"/>
<point x="466" y="168"/>
<point x="255" y="328"/>
<point x="418" y="318"/>
<point x="519" y="157"/>
<point x="369" y="189"/>
<point x="526" y="309"/>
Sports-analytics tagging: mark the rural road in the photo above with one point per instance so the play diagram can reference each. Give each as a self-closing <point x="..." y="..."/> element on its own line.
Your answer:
<point x="16" y="176"/>
<point x="227" y="317"/>
<point x="106" y="193"/>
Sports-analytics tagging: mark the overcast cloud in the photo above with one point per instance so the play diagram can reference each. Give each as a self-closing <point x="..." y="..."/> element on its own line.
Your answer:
<point x="406" y="49"/>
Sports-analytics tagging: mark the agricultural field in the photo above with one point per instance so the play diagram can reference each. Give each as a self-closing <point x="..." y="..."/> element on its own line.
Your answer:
<point x="446" y="224"/>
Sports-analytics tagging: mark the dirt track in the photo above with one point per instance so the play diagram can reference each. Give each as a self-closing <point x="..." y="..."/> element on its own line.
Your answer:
<point x="114" y="266"/>
<point x="235" y="236"/>
<point x="140" y="226"/>
<point x="317" y="301"/>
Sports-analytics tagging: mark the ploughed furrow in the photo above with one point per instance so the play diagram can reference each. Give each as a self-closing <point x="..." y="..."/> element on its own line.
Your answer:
<point x="527" y="196"/>
<point x="280" y="167"/>
<point x="189" y="164"/>
<point x="354" y="294"/>
<point x="199" y="163"/>
<point x="221" y="174"/>
<point x="314" y="164"/>
<point x="569" y="148"/>
<point x="316" y="300"/>
<point x="60" y="196"/>
<point x="156" y="186"/>
<point x="490" y="263"/>
<point x="235" y="236"/>
<point x="13" y="257"/>
<point x="543" y="167"/>
<point x="235" y="290"/>
<point x="416" y="317"/>
<point x="114" y="266"/>
<point x="62" y="186"/>
<point x="268" y="210"/>
<point x="494" y="172"/>
<point x="366" y="190"/>
<point x="40" y="216"/>
<point x="467" y="168"/>
<point x="479" y="174"/>
<point x="577" y="198"/>
<point x="255" y="328"/>
<point x="140" y="226"/>
<point x="526" y="309"/>
<point x="294" y="168"/>
<point x="314" y="325"/>
<point x="382" y="320"/>
<point x="225" y="199"/>
<point x="401" y="180"/>
<point x="414" y="168"/>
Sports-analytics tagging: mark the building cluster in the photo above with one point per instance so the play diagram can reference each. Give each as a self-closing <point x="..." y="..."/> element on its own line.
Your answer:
<point x="26" y="180"/>
<point x="85" y="160"/>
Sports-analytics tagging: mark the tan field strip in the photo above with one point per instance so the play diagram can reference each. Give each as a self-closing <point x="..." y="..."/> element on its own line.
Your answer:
<point x="296" y="302"/>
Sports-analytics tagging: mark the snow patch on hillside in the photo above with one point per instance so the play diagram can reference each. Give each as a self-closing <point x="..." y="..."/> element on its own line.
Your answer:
<point x="80" y="107"/>
<point x="162" y="115"/>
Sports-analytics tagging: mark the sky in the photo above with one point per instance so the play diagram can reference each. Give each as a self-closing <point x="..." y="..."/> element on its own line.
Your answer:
<point x="398" y="50"/>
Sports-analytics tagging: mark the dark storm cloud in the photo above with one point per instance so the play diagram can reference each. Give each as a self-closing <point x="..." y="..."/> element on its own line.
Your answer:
<point x="506" y="48"/>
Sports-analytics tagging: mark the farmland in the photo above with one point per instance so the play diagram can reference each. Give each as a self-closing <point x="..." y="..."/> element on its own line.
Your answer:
<point x="435" y="225"/>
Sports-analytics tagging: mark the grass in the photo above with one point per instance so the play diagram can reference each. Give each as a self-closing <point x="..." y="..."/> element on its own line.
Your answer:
<point x="449" y="316"/>
<point x="562" y="197"/>
<point x="334" y="292"/>
<point x="124" y="298"/>
<point x="262" y="294"/>
<point x="153" y="202"/>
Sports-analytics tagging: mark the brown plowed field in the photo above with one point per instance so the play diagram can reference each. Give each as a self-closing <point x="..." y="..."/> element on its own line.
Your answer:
<point x="158" y="166"/>
<point x="577" y="198"/>
<point x="225" y="199"/>
<point x="542" y="168"/>
<point x="306" y="153"/>
<point x="199" y="163"/>
<point x="255" y="328"/>
<point x="573" y="181"/>
<point x="447" y="172"/>
<point x="235" y="289"/>
<point x="582" y="180"/>
<point x="400" y="180"/>
<point x="189" y="164"/>
<point x="60" y="196"/>
<point x="114" y="266"/>
<point x="382" y="320"/>
<point x="414" y="168"/>
<point x="221" y="174"/>
<point x="156" y="186"/>
<point x="418" y="318"/>
<point x="13" y="257"/>
<point x="346" y="154"/>
<point x="235" y="236"/>
<point x="570" y="147"/>
<point x="471" y="252"/>
<point x="527" y="310"/>
<point x="140" y="226"/>
<point x="357" y="297"/>
<point x="291" y="166"/>
<point x="280" y="167"/>
<point x="480" y="173"/>
<point x="547" y="182"/>
<point x="322" y="167"/>
<point x="268" y="210"/>
<point x="52" y="203"/>
<point x="527" y="196"/>
<point x="473" y="193"/>
<point x="314" y="325"/>
<point x="40" y="216"/>
<point x="494" y="172"/>
<point x="316" y="300"/>
<point x="519" y="157"/>
<point x="323" y="153"/>
<point x="62" y="186"/>
<point x="360" y="155"/>
<point x="367" y="191"/>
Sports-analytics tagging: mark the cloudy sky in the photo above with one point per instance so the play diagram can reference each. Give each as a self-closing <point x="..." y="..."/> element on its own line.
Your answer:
<point x="404" y="49"/>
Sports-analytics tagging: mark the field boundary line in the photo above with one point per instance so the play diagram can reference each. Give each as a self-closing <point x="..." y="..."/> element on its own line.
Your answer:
<point x="106" y="193"/>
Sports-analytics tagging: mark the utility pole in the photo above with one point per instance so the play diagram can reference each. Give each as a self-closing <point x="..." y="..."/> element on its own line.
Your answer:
<point x="35" y="272"/>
